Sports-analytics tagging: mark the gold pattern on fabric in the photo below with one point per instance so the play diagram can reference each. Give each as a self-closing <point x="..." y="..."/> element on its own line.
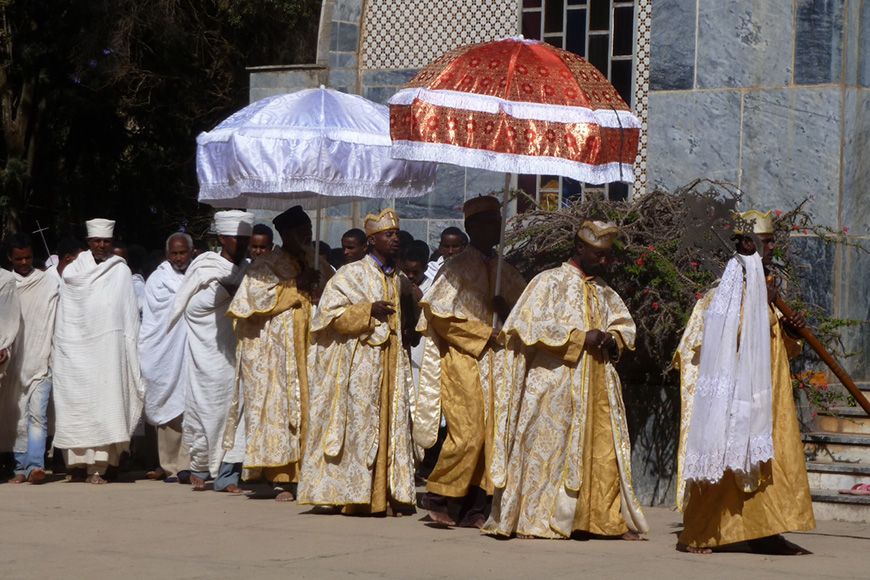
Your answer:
<point x="272" y="318"/>
<point x="721" y="514"/>
<point x="582" y="142"/>
<point x="461" y="297"/>
<point x="347" y="433"/>
<point x="457" y="321"/>
<point x="562" y="457"/>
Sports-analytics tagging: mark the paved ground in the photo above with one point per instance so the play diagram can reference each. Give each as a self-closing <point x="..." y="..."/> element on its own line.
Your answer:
<point x="157" y="530"/>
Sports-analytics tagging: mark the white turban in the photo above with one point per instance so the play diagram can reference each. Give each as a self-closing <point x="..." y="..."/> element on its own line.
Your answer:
<point x="233" y="223"/>
<point x="100" y="228"/>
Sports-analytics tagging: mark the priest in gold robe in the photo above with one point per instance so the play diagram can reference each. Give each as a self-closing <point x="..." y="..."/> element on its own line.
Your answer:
<point x="359" y="457"/>
<point x="272" y="310"/>
<point x="741" y="468"/>
<point x="462" y="360"/>
<point x="562" y="461"/>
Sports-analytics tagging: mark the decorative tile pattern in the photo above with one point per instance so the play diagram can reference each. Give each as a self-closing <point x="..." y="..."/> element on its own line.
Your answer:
<point x="641" y="89"/>
<point x="409" y="34"/>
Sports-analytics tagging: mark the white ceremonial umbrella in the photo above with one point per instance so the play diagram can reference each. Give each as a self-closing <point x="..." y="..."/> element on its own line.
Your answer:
<point x="314" y="147"/>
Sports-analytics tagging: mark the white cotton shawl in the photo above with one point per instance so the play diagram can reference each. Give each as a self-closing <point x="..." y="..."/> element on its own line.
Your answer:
<point x="732" y="421"/>
<point x="95" y="363"/>
<point x="10" y="314"/>
<point x="29" y="366"/>
<point x="161" y="350"/>
<point x="210" y="359"/>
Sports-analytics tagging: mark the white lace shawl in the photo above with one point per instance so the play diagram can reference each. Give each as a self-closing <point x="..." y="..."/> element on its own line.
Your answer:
<point x="731" y="425"/>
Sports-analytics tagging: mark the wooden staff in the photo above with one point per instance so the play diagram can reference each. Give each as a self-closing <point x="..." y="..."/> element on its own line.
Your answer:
<point x="826" y="357"/>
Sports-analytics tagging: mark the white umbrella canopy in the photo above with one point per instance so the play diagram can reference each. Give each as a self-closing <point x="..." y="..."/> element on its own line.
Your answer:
<point x="314" y="147"/>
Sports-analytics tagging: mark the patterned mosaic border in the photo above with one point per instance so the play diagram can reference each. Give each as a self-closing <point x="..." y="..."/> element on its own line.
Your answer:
<point x="409" y="34"/>
<point x="643" y="22"/>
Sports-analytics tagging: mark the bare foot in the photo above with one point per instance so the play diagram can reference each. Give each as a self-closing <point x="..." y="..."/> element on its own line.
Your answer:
<point x="441" y="518"/>
<point x="693" y="550"/>
<point x="473" y="521"/>
<point x="158" y="473"/>
<point x="527" y="537"/>
<point x="19" y="478"/>
<point x="285" y="496"/>
<point x="37" y="477"/>
<point x="630" y="536"/>
<point x="197" y="483"/>
<point x="233" y="489"/>
<point x="96" y="479"/>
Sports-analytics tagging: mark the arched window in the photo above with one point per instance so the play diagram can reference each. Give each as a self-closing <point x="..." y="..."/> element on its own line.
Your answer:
<point x="602" y="32"/>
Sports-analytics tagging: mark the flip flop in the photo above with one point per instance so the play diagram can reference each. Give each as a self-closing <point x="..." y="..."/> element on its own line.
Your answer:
<point x="857" y="489"/>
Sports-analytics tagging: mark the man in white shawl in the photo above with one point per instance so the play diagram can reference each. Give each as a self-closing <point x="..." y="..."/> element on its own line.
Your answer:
<point x="11" y="318"/>
<point x="95" y="360"/>
<point x="26" y="389"/>
<point x="741" y="468"/>
<point x="161" y="355"/>
<point x="210" y="354"/>
<point x="562" y="458"/>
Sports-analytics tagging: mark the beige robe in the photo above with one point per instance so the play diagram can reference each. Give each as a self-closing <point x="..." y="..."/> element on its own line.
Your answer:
<point x="724" y="513"/>
<point x="358" y="448"/>
<point x="562" y="458"/>
<point x="11" y="319"/>
<point x="459" y="368"/>
<point x="272" y="318"/>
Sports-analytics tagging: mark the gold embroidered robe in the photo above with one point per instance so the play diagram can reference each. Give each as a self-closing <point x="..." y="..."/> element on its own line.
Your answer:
<point x="562" y="459"/>
<point x="723" y="513"/>
<point x="359" y="447"/>
<point x="272" y="317"/>
<point x="459" y="367"/>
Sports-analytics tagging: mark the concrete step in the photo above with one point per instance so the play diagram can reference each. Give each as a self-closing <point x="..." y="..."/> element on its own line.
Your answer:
<point x="824" y="447"/>
<point x="836" y="476"/>
<point x="830" y="505"/>
<point x="844" y="420"/>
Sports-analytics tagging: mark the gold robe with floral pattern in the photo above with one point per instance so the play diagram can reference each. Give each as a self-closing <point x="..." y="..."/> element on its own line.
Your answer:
<point x="458" y="368"/>
<point x="562" y="459"/>
<point x="272" y="317"/>
<point x="359" y="447"/>
<point x="724" y="513"/>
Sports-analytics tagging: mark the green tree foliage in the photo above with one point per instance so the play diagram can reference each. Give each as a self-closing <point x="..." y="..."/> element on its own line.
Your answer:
<point x="101" y="102"/>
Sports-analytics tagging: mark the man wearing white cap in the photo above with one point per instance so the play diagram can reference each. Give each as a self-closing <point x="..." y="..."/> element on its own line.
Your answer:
<point x="210" y="356"/>
<point x="97" y="386"/>
<point x="562" y="458"/>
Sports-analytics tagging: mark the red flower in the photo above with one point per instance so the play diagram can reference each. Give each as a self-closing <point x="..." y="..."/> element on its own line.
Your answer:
<point x="655" y="305"/>
<point x="698" y="295"/>
<point x="845" y="229"/>
<point x="640" y="262"/>
<point x="806" y="231"/>
<point x="794" y="227"/>
<point x="694" y="264"/>
<point x="651" y="248"/>
<point x="778" y="212"/>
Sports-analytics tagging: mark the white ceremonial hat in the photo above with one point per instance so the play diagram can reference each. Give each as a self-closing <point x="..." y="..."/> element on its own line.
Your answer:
<point x="233" y="223"/>
<point x="100" y="228"/>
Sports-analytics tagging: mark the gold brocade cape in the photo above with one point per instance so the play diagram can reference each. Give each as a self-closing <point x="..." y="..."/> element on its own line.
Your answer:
<point x="542" y="405"/>
<point x="462" y="292"/>
<point x="345" y="372"/>
<point x="272" y="318"/>
<point x="725" y="513"/>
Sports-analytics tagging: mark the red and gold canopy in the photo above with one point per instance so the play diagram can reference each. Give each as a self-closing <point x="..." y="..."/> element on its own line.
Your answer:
<point x="518" y="106"/>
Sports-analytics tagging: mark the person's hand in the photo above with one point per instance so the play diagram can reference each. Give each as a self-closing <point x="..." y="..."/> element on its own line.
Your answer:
<point x="4" y="355"/>
<point x="501" y="308"/>
<point x="495" y="338"/>
<point x="416" y="292"/>
<point x="381" y="310"/>
<point x="797" y="322"/>
<point x="595" y="339"/>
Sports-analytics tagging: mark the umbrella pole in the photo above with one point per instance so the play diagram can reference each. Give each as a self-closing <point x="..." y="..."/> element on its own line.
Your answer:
<point x="317" y="242"/>
<point x="504" y="202"/>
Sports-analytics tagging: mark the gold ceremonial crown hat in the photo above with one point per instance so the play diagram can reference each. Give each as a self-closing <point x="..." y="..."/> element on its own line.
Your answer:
<point x="386" y="220"/>
<point x="598" y="234"/>
<point x="762" y="223"/>
<point x="480" y="204"/>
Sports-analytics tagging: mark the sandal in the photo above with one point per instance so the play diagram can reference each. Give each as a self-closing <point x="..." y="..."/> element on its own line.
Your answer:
<point x="857" y="489"/>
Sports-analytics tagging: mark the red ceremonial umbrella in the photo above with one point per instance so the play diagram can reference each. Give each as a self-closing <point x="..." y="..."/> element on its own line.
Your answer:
<point x="518" y="106"/>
